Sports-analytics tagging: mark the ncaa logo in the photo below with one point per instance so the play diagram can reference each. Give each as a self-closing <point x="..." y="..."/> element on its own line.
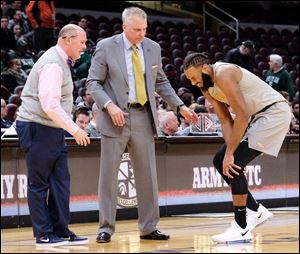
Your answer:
<point x="126" y="183"/>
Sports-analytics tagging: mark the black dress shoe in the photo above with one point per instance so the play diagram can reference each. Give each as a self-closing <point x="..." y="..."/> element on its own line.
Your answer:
<point x="103" y="237"/>
<point x="155" y="235"/>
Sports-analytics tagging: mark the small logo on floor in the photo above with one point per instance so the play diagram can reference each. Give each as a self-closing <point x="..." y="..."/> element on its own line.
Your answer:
<point x="126" y="183"/>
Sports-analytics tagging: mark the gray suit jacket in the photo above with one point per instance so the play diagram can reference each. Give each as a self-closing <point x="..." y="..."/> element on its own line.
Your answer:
<point x="108" y="80"/>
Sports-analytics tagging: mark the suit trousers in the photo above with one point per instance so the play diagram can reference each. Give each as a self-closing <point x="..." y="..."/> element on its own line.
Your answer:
<point x="48" y="177"/>
<point x="137" y="136"/>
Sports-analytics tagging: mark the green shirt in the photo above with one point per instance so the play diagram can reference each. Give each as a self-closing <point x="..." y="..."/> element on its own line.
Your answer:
<point x="280" y="81"/>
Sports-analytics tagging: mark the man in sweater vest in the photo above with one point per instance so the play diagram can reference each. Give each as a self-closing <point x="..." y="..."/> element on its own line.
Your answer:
<point x="43" y="116"/>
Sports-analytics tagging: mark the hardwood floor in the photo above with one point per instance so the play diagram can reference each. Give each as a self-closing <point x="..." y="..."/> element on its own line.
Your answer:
<point x="191" y="233"/>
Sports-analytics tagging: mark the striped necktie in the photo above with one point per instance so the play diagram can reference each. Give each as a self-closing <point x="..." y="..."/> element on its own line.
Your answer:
<point x="138" y="76"/>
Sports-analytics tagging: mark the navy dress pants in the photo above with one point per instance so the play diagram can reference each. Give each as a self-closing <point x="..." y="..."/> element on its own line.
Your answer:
<point x="48" y="177"/>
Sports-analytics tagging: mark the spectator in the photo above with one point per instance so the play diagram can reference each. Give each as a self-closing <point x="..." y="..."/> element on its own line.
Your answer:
<point x="4" y="8"/>
<point x="41" y="16"/>
<point x="17" y="32"/>
<point x="13" y="75"/>
<point x="172" y="75"/>
<point x="83" y="23"/>
<point x="87" y="99"/>
<point x="25" y="55"/>
<point x="182" y="90"/>
<point x="16" y="5"/>
<point x="7" y="38"/>
<point x="241" y="55"/>
<point x="4" y="122"/>
<point x="168" y="123"/>
<point x="294" y="127"/>
<point x="278" y="77"/>
<point x="91" y="128"/>
<point x="18" y="20"/>
<point x="81" y="117"/>
<point x="187" y="98"/>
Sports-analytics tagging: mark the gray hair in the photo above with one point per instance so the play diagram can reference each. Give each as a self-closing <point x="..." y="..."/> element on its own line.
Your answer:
<point x="132" y="11"/>
<point x="164" y="117"/>
<point x="70" y="30"/>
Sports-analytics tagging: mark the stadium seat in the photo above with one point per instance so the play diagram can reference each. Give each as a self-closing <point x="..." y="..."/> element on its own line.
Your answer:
<point x="18" y="90"/>
<point x="5" y="93"/>
<point x="15" y="99"/>
<point x="11" y="111"/>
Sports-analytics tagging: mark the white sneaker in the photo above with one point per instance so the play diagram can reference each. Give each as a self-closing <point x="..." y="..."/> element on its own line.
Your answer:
<point x="234" y="234"/>
<point x="257" y="218"/>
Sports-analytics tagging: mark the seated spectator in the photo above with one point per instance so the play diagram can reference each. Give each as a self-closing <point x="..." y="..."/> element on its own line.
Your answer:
<point x="198" y="108"/>
<point x="182" y="90"/>
<point x="91" y="128"/>
<point x="169" y="125"/>
<point x="13" y="75"/>
<point x="278" y="77"/>
<point x="22" y="52"/>
<point x="81" y="117"/>
<point x="4" y="122"/>
<point x="88" y="100"/>
<point x="83" y="23"/>
<point x="17" y="32"/>
<point x="242" y="55"/>
<point x="173" y="76"/>
<point x="294" y="127"/>
<point x="188" y="99"/>
<point x="7" y="38"/>
<point x="18" y="20"/>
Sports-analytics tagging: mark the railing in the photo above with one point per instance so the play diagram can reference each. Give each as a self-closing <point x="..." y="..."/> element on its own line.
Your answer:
<point x="205" y="12"/>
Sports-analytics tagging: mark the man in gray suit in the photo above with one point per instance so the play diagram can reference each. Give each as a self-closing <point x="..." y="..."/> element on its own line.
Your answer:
<point x="128" y="118"/>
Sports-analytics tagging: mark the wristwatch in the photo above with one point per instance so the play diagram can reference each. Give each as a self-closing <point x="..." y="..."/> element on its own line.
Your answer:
<point x="178" y="108"/>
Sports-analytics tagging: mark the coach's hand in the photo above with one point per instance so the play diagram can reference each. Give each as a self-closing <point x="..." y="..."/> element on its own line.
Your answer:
<point x="189" y="114"/>
<point x="117" y="115"/>
<point x="81" y="137"/>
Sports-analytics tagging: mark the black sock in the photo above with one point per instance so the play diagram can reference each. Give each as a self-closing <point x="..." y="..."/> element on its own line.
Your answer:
<point x="240" y="215"/>
<point x="251" y="202"/>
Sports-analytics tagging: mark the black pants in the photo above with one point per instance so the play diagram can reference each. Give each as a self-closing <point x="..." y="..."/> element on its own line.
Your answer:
<point x="242" y="156"/>
<point x="48" y="177"/>
<point x="44" y="38"/>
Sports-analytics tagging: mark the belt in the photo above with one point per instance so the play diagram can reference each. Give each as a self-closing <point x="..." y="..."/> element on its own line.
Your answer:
<point x="268" y="106"/>
<point x="264" y="109"/>
<point x="136" y="105"/>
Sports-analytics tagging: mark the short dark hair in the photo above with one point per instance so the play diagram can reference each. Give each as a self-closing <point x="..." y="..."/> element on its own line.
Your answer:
<point x="195" y="59"/>
<point x="81" y="110"/>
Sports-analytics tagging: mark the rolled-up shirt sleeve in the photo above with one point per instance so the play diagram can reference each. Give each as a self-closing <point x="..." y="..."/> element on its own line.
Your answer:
<point x="49" y="87"/>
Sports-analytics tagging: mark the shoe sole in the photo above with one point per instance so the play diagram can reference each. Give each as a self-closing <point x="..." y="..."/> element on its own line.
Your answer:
<point x="150" y="238"/>
<point x="50" y="245"/>
<point x="102" y="241"/>
<point x="72" y="243"/>
<point x="234" y="241"/>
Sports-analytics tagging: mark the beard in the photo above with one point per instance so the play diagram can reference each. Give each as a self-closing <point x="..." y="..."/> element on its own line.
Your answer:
<point x="207" y="81"/>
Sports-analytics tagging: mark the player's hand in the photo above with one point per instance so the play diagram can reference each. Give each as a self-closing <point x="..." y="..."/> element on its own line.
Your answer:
<point x="229" y="167"/>
<point x="189" y="114"/>
<point x="117" y="115"/>
<point x="81" y="137"/>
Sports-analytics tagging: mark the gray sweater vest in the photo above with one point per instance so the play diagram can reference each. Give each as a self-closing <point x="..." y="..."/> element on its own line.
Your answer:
<point x="30" y="109"/>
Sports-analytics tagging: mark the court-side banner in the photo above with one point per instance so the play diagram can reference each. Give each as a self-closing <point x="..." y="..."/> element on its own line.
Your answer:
<point x="186" y="175"/>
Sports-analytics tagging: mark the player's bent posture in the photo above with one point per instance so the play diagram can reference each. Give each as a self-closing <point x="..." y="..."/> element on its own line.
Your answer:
<point x="262" y="119"/>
